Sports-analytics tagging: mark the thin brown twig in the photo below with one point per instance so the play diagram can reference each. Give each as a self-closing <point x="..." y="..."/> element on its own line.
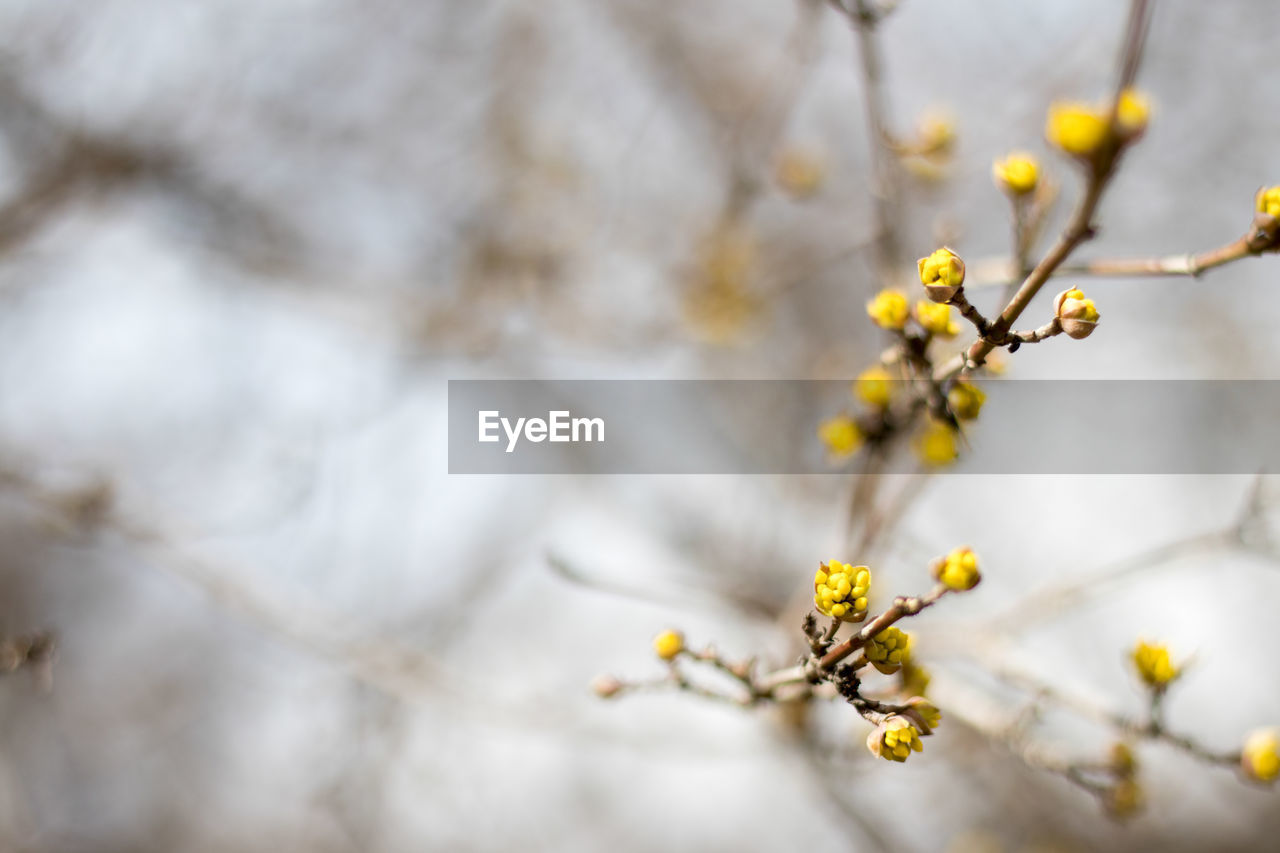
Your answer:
<point x="812" y="669"/>
<point x="1190" y="265"/>
<point x="1152" y="728"/>
<point x="886" y="179"/>
<point x="1080" y="227"/>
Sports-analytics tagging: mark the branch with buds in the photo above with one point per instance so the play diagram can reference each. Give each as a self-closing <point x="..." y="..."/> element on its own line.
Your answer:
<point x="840" y="594"/>
<point x="918" y="392"/>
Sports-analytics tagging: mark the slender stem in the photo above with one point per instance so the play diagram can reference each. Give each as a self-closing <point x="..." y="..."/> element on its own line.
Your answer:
<point x="1151" y="729"/>
<point x="1048" y="330"/>
<point x="901" y="607"/>
<point x="1131" y="52"/>
<point x="807" y="672"/>
<point x="972" y="314"/>
<point x="862" y="494"/>
<point x="1021" y="231"/>
<point x="1188" y="265"/>
<point x="1080" y="227"/>
<point x="883" y="521"/>
<point x="885" y="186"/>
<point x="1192" y="265"/>
<point x="1077" y="231"/>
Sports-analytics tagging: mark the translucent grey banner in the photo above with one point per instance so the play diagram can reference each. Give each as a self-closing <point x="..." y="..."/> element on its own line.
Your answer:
<point x="771" y="427"/>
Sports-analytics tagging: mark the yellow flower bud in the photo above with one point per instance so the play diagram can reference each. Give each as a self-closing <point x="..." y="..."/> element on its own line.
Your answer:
<point x="720" y="301"/>
<point x="1124" y="799"/>
<point x="942" y="274"/>
<point x="1261" y="757"/>
<point x="888" y="650"/>
<point x="874" y="386"/>
<point x="894" y="739"/>
<point x="924" y="714"/>
<point x="1076" y="128"/>
<point x="799" y="172"/>
<point x="913" y="679"/>
<point x="958" y="570"/>
<point x="1017" y="174"/>
<point x="840" y="590"/>
<point x="1078" y="315"/>
<point x="1132" y="113"/>
<point x="1268" y="201"/>
<point x="841" y="436"/>
<point x="937" y="133"/>
<point x="668" y="645"/>
<point x="936" y="319"/>
<point x="936" y="445"/>
<point x="1153" y="665"/>
<point x="1122" y="760"/>
<point x="965" y="400"/>
<point x="888" y="309"/>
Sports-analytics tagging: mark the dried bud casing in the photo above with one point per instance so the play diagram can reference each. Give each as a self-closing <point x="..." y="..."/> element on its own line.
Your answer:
<point x="1077" y="315"/>
<point x="606" y="686"/>
<point x="923" y="714"/>
<point x="1264" y="231"/>
<point x="894" y="739"/>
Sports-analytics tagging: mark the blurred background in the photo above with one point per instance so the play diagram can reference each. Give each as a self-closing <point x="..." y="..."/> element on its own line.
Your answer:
<point x="244" y="245"/>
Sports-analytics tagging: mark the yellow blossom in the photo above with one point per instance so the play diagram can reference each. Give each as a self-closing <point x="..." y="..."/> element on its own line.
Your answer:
<point x="1124" y="799"/>
<point x="924" y="713"/>
<point x="937" y="133"/>
<point x="1122" y="760"/>
<point x="1268" y="201"/>
<point x="799" y="172"/>
<point x="913" y="679"/>
<point x="889" y="649"/>
<point x="1076" y="128"/>
<point x="942" y="274"/>
<point x="1132" y="112"/>
<point x="965" y="400"/>
<point x="895" y="739"/>
<point x="874" y="386"/>
<point x="668" y="644"/>
<point x="888" y="309"/>
<point x="1018" y="173"/>
<point x="936" y="445"/>
<point x="1153" y="664"/>
<point x="841" y="435"/>
<point x="840" y="590"/>
<point x="720" y="302"/>
<point x="1261" y="756"/>
<point x="936" y="318"/>
<point x="958" y="570"/>
<point x="1083" y="129"/>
